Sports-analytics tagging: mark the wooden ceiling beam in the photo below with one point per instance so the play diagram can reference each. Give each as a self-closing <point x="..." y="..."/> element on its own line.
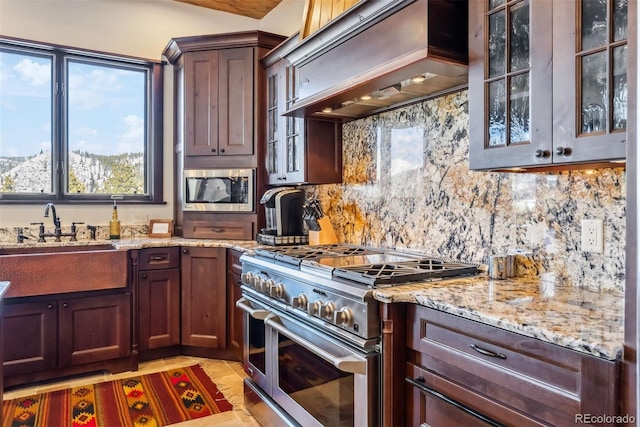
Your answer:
<point x="256" y="9"/>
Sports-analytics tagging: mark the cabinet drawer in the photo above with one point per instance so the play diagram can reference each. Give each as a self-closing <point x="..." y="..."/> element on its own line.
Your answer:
<point x="228" y="230"/>
<point x="434" y="402"/>
<point x="548" y="382"/>
<point x="233" y="261"/>
<point x="158" y="258"/>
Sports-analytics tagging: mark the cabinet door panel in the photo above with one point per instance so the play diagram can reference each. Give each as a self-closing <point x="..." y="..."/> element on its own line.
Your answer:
<point x="589" y="68"/>
<point x="201" y="103"/>
<point x="235" y="100"/>
<point x="93" y="329"/>
<point x="159" y="313"/>
<point x="236" y="315"/>
<point x="204" y="297"/>
<point x="510" y="83"/>
<point x="30" y="337"/>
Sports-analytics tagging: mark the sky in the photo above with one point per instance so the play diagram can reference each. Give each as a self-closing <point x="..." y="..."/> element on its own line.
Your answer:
<point x="106" y="107"/>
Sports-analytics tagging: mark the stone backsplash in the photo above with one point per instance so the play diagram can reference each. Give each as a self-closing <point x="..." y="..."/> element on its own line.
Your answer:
<point x="406" y="184"/>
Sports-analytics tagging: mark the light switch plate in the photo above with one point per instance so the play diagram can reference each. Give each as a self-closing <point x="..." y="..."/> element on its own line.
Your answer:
<point x="592" y="236"/>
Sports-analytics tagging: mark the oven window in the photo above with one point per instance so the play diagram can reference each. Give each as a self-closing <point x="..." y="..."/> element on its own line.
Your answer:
<point x="321" y="389"/>
<point x="256" y="344"/>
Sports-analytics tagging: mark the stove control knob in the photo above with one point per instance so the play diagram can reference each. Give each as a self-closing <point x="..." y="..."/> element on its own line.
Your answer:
<point x="300" y="302"/>
<point x="313" y="308"/>
<point x="276" y="290"/>
<point x="246" y="277"/>
<point x="266" y="285"/>
<point x="326" y="310"/>
<point x="344" y="316"/>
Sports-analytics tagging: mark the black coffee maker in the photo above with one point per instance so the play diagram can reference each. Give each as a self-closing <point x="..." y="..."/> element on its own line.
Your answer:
<point x="283" y="214"/>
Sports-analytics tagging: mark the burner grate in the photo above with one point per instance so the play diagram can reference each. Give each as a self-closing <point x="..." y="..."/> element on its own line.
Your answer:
<point x="294" y="255"/>
<point x="375" y="275"/>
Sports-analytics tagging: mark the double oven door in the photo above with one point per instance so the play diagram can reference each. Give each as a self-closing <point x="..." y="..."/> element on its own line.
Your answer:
<point x="315" y="378"/>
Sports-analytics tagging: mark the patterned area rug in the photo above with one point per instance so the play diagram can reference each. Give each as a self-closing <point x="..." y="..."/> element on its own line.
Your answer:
<point x="158" y="399"/>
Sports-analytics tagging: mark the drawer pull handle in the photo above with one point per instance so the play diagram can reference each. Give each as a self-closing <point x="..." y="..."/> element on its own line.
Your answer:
<point x="157" y="258"/>
<point x="217" y="230"/>
<point x="488" y="352"/>
<point x="421" y="386"/>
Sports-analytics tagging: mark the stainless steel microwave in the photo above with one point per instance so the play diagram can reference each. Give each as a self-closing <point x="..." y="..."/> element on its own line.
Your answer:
<point x="218" y="190"/>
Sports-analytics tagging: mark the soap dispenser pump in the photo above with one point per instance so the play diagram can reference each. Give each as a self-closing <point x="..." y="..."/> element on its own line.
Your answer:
<point x="114" y="224"/>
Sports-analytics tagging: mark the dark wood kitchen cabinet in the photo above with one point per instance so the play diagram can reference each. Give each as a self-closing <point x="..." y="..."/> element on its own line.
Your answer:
<point x="219" y="122"/>
<point x="297" y="150"/>
<point x="464" y="370"/>
<point x="543" y="92"/>
<point x="204" y="298"/>
<point x="218" y="102"/>
<point x="31" y="336"/>
<point x="158" y="298"/>
<point x="55" y="336"/>
<point x="234" y="293"/>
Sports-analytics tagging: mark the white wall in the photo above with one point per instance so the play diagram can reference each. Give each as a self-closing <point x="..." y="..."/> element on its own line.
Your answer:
<point x="140" y="28"/>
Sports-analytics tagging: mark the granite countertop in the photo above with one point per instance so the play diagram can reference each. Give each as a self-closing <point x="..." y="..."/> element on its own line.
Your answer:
<point x="542" y="307"/>
<point x="584" y="320"/>
<point x="139" y="243"/>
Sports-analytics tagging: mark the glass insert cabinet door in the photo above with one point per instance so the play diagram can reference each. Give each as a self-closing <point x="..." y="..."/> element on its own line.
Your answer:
<point x="590" y="111"/>
<point x="510" y="69"/>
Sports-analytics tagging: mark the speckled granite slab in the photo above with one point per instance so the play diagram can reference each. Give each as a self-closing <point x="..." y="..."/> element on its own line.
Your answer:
<point x="584" y="320"/>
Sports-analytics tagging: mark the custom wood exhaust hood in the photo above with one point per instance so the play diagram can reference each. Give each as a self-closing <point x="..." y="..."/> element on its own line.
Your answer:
<point x="379" y="55"/>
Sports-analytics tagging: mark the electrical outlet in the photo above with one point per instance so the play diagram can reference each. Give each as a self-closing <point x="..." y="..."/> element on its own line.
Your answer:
<point x="592" y="235"/>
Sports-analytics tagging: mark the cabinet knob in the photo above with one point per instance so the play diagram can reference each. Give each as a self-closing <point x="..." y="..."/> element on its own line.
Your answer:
<point x="222" y="150"/>
<point x="213" y="150"/>
<point x="65" y="305"/>
<point x="542" y="153"/>
<point x="563" y="151"/>
<point x="50" y="306"/>
<point x="144" y="276"/>
<point x="185" y="251"/>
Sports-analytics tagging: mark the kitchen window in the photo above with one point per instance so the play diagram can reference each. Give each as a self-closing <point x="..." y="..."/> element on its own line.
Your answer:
<point x="77" y="125"/>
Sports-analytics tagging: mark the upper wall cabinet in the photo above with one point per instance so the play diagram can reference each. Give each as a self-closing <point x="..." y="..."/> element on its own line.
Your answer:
<point x="218" y="83"/>
<point x="547" y="83"/>
<point x="297" y="150"/>
<point x="218" y="102"/>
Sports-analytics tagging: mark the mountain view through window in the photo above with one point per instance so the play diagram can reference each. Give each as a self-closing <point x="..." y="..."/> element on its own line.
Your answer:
<point x="71" y="125"/>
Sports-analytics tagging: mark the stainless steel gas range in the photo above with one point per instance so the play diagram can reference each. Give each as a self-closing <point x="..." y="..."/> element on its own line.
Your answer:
<point x="312" y="329"/>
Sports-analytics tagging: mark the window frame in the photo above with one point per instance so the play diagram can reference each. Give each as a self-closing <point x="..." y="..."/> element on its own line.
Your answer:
<point x="154" y="140"/>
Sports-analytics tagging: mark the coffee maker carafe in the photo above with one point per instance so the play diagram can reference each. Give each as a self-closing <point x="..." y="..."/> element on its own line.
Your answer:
<point x="283" y="214"/>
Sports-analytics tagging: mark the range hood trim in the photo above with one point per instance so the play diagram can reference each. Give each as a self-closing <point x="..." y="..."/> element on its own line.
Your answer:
<point x="423" y="58"/>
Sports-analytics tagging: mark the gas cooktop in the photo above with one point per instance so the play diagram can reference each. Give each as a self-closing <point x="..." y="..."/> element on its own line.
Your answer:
<point x="372" y="267"/>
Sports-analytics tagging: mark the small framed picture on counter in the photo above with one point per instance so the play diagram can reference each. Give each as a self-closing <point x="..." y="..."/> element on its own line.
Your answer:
<point x="160" y="227"/>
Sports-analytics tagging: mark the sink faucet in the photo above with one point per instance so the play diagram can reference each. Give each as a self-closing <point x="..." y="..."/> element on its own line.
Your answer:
<point x="56" y="222"/>
<point x="56" y="219"/>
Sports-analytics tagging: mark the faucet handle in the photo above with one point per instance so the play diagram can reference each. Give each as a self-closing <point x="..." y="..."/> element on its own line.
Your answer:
<point x="41" y="226"/>
<point x="92" y="229"/>
<point x="20" y="235"/>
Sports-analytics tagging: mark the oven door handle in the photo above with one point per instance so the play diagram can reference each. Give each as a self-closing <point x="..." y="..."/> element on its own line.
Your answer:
<point x="258" y="314"/>
<point x="349" y="364"/>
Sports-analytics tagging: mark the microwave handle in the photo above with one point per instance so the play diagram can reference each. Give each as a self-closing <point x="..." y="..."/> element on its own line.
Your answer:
<point x="349" y="364"/>
<point x="258" y="314"/>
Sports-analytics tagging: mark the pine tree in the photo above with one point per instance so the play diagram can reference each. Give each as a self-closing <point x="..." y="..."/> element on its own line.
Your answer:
<point x="75" y="185"/>
<point x="7" y="184"/>
<point x="126" y="178"/>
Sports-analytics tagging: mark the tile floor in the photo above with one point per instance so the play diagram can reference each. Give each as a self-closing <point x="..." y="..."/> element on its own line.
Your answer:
<point x="227" y="375"/>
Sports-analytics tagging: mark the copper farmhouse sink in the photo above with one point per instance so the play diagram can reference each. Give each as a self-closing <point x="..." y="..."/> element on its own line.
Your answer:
<point x="62" y="269"/>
